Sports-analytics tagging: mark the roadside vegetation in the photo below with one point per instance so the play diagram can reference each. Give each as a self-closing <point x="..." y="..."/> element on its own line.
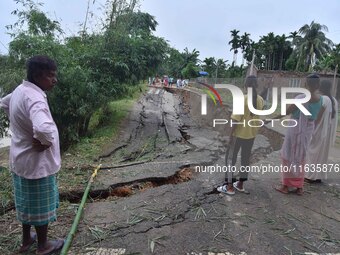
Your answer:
<point x="78" y="159"/>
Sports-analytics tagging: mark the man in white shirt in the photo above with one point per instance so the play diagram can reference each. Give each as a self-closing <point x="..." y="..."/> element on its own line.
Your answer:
<point x="34" y="154"/>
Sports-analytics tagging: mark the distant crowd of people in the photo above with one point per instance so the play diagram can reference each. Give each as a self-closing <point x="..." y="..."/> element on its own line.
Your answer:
<point x="168" y="81"/>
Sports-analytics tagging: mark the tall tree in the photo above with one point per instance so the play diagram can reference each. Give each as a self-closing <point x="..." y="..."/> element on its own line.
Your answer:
<point x="235" y="44"/>
<point x="267" y="47"/>
<point x="190" y="66"/>
<point x="191" y="56"/>
<point x="245" y="43"/>
<point x="283" y="51"/>
<point x="313" y="45"/>
<point x="295" y="38"/>
<point x="331" y="61"/>
<point x="93" y="69"/>
<point x="221" y="66"/>
<point x="209" y="65"/>
<point x="215" y="67"/>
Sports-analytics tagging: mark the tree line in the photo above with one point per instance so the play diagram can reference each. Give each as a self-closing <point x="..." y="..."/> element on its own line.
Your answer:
<point x="305" y="50"/>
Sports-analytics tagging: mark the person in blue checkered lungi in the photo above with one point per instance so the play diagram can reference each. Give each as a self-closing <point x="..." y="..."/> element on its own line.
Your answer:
<point x="34" y="154"/>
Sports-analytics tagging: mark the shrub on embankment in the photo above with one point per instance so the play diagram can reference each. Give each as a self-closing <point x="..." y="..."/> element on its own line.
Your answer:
<point x="93" y="68"/>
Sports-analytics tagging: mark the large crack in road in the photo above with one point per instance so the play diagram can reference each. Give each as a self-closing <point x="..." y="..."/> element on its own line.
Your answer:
<point x="149" y="198"/>
<point x="163" y="132"/>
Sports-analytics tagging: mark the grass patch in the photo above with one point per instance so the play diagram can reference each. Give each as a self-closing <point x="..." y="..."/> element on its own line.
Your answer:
<point x="104" y="127"/>
<point x="100" y="133"/>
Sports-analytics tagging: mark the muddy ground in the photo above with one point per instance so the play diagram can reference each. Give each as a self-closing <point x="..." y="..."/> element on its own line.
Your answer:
<point x="149" y="197"/>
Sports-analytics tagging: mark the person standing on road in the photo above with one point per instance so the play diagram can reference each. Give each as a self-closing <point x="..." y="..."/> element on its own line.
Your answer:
<point x="297" y="138"/>
<point x="179" y="83"/>
<point x="166" y="81"/>
<point x="242" y="137"/>
<point x="323" y="137"/>
<point x="171" y="80"/>
<point x="34" y="154"/>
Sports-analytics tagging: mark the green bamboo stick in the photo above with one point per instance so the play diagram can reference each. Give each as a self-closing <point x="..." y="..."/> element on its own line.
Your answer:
<point x="74" y="227"/>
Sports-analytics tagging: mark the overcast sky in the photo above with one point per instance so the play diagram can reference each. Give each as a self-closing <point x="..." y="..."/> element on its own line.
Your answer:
<point x="203" y="25"/>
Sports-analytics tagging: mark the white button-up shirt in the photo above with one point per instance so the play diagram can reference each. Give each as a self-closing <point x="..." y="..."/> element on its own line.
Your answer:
<point x="30" y="117"/>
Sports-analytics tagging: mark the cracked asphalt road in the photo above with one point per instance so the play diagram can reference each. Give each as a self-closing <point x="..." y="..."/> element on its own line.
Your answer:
<point x="156" y="202"/>
<point x="167" y="133"/>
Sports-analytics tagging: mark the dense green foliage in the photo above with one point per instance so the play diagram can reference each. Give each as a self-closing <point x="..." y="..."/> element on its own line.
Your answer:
<point x="95" y="68"/>
<point x="305" y="50"/>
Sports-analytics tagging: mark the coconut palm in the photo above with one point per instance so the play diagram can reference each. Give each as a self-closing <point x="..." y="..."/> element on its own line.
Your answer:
<point x="208" y="65"/>
<point x="313" y="45"/>
<point x="295" y="38"/>
<point x="221" y="66"/>
<point x="330" y="62"/>
<point x="215" y="67"/>
<point x="191" y="56"/>
<point x="235" y="44"/>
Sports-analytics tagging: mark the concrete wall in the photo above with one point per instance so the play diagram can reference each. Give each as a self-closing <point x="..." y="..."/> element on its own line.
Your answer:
<point x="291" y="79"/>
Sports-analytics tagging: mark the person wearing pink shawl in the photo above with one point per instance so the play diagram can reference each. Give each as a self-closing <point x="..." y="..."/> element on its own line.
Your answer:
<point x="296" y="141"/>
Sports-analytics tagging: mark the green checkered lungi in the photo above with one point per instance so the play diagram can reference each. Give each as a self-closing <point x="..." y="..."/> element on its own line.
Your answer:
<point x="36" y="201"/>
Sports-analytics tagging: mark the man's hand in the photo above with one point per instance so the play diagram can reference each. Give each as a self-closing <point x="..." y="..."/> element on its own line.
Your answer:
<point x="38" y="146"/>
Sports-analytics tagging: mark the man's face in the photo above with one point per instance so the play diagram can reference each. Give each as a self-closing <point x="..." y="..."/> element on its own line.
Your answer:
<point x="47" y="80"/>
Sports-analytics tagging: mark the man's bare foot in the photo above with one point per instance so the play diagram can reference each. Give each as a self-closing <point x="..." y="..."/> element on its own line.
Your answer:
<point x="26" y="246"/>
<point x="51" y="247"/>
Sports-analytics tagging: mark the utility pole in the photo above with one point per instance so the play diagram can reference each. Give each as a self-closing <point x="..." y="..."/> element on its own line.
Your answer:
<point x="216" y="72"/>
<point x="252" y="63"/>
<point x="335" y="84"/>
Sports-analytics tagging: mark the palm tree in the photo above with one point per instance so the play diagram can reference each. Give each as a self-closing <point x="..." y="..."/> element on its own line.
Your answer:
<point x="313" y="45"/>
<point x="235" y="44"/>
<point x="249" y="51"/>
<point x="215" y="67"/>
<point x="190" y="65"/>
<point x="283" y="50"/>
<point x="220" y="64"/>
<point x="268" y="46"/>
<point x="245" y="43"/>
<point x="208" y="65"/>
<point x="330" y="61"/>
<point x="191" y="56"/>
<point x="295" y="38"/>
